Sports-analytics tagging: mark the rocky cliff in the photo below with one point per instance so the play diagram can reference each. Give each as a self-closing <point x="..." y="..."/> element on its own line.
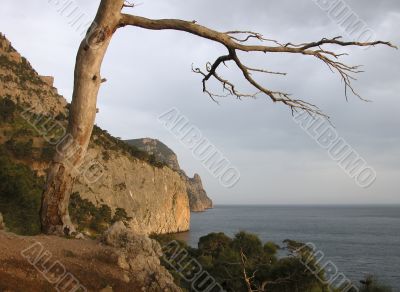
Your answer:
<point x="33" y="115"/>
<point x="198" y="199"/>
<point x="154" y="197"/>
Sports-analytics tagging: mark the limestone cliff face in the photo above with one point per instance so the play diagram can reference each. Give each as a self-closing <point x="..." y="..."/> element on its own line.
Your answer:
<point x="153" y="194"/>
<point x="154" y="197"/>
<point x="198" y="199"/>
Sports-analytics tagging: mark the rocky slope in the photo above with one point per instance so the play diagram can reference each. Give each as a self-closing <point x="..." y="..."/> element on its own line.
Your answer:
<point x="198" y="199"/>
<point x="20" y="82"/>
<point x="34" y="114"/>
<point x="123" y="261"/>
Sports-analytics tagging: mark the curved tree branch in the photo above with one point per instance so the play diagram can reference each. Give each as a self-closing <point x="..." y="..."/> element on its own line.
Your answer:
<point x="233" y="42"/>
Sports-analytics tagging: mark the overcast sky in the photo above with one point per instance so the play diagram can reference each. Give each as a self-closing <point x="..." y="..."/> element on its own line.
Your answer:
<point x="150" y="72"/>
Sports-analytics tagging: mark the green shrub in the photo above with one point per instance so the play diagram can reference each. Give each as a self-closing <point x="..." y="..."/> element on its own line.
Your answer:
<point x="7" y="110"/>
<point x="371" y="284"/>
<point x="106" y="155"/>
<point x="21" y="150"/>
<point x="48" y="152"/>
<point x="86" y="216"/>
<point x="120" y="215"/>
<point x="214" y="243"/>
<point x="20" y="196"/>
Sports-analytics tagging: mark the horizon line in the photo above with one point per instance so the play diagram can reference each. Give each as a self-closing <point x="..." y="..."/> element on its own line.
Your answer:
<point x="311" y="204"/>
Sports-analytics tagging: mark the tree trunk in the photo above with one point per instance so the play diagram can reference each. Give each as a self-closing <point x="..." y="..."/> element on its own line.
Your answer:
<point x="65" y="166"/>
<point x="71" y="151"/>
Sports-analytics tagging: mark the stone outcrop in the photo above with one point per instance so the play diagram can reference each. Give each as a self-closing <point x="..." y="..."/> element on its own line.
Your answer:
<point x="154" y="197"/>
<point x="49" y="80"/>
<point x="198" y="199"/>
<point x="139" y="255"/>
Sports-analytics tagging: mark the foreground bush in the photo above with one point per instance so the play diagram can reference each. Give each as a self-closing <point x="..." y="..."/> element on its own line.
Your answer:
<point x="245" y="263"/>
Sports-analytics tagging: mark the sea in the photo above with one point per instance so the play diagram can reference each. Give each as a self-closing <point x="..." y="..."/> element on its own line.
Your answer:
<point x="359" y="240"/>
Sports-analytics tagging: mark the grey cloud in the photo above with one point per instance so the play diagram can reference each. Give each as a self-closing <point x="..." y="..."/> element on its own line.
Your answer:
<point x="149" y="72"/>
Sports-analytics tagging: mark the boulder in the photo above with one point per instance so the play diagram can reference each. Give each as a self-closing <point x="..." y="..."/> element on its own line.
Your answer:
<point x="138" y="255"/>
<point x="49" y="80"/>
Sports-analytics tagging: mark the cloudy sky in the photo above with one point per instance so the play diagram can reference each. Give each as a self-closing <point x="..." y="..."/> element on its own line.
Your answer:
<point x="150" y="72"/>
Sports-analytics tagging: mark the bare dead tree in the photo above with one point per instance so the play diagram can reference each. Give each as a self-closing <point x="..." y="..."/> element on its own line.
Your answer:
<point x="250" y="280"/>
<point x="87" y="81"/>
<point x="247" y="279"/>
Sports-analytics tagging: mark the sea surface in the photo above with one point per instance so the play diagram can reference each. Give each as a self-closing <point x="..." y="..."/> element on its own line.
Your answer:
<point x="359" y="240"/>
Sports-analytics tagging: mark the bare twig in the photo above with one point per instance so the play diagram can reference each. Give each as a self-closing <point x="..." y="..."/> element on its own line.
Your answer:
<point x="235" y="41"/>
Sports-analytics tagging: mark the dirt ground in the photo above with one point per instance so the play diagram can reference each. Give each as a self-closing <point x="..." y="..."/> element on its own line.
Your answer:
<point x="48" y="263"/>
